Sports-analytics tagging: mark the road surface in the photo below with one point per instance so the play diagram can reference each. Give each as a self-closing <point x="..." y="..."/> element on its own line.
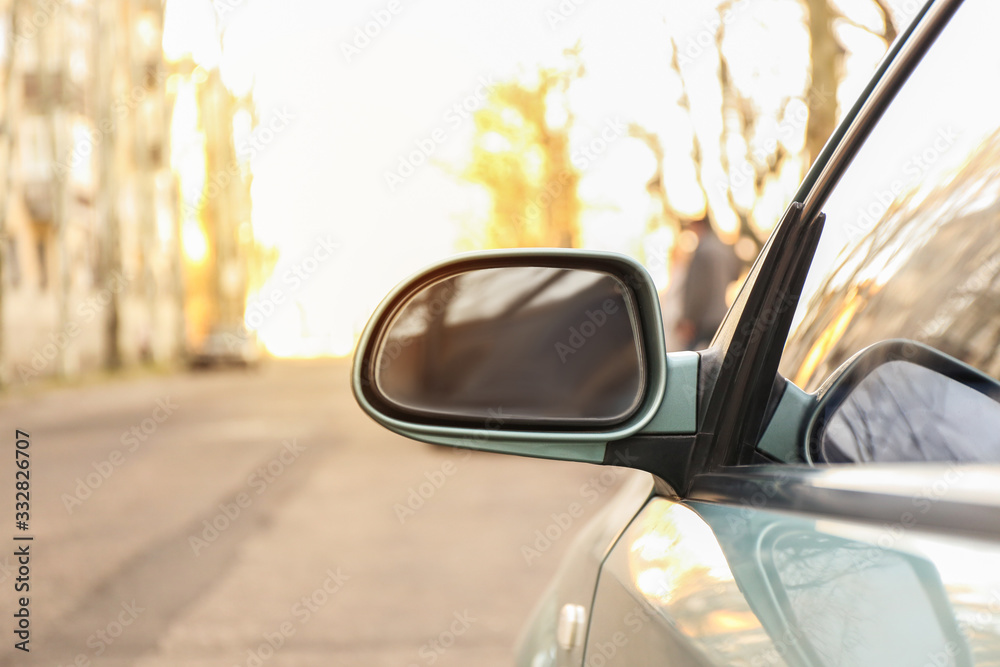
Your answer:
<point x="259" y="518"/>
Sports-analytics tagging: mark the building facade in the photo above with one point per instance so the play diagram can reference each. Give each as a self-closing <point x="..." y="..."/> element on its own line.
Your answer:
<point x="93" y="272"/>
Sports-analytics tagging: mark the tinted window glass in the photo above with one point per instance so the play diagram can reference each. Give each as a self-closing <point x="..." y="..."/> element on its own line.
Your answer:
<point x="912" y="243"/>
<point x="906" y="412"/>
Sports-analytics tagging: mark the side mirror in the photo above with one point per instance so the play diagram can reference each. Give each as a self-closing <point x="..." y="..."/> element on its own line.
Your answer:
<point x="903" y="401"/>
<point x="493" y="349"/>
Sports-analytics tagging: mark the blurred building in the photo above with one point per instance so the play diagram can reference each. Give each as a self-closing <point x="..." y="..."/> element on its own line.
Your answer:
<point x="215" y="208"/>
<point x="90" y="265"/>
<point x="97" y="224"/>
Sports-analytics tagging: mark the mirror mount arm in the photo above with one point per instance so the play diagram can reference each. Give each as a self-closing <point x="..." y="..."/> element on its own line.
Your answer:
<point x="667" y="457"/>
<point x="740" y="395"/>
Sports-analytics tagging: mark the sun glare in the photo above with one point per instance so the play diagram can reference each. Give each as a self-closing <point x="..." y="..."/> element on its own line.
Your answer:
<point x="396" y="105"/>
<point x="194" y="242"/>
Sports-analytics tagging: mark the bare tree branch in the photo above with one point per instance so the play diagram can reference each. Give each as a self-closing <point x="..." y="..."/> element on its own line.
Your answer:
<point x="889" y="31"/>
<point x="684" y="102"/>
<point x="656" y="186"/>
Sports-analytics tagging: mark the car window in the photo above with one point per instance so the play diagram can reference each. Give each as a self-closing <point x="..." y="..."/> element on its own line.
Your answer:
<point x="911" y="247"/>
<point x="902" y="411"/>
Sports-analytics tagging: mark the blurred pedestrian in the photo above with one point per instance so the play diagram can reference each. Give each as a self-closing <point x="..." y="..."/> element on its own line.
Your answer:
<point x="713" y="266"/>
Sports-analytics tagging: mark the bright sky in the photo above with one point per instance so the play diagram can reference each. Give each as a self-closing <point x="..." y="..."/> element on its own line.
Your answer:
<point x="357" y="107"/>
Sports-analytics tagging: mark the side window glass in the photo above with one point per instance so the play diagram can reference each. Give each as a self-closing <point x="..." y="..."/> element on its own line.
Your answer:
<point x="911" y="247"/>
<point x="903" y="411"/>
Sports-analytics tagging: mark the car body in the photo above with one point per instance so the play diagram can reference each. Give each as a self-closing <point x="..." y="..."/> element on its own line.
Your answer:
<point x="821" y="485"/>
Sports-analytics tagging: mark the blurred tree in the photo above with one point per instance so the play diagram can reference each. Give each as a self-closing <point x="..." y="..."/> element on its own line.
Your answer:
<point x="827" y="63"/>
<point x="655" y="186"/>
<point x="757" y="146"/>
<point x="8" y="137"/>
<point x="521" y="155"/>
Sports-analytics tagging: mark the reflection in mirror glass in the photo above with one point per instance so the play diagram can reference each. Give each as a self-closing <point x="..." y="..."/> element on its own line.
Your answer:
<point x="855" y="604"/>
<point x="905" y="412"/>
<point x="515" y="344"/>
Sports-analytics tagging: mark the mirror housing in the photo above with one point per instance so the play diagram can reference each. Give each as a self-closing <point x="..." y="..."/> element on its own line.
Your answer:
<point x="450" y="388"/>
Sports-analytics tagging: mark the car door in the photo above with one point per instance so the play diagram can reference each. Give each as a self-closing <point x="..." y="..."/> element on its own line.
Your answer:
<point x="763" y="547"/>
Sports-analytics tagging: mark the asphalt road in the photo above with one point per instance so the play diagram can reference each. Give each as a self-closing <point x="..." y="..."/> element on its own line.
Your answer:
<point x="259" y="518"/>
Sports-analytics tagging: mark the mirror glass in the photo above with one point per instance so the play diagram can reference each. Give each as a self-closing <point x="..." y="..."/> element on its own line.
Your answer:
<point x="903" y="411"/>
<point x="515" y="345"/>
